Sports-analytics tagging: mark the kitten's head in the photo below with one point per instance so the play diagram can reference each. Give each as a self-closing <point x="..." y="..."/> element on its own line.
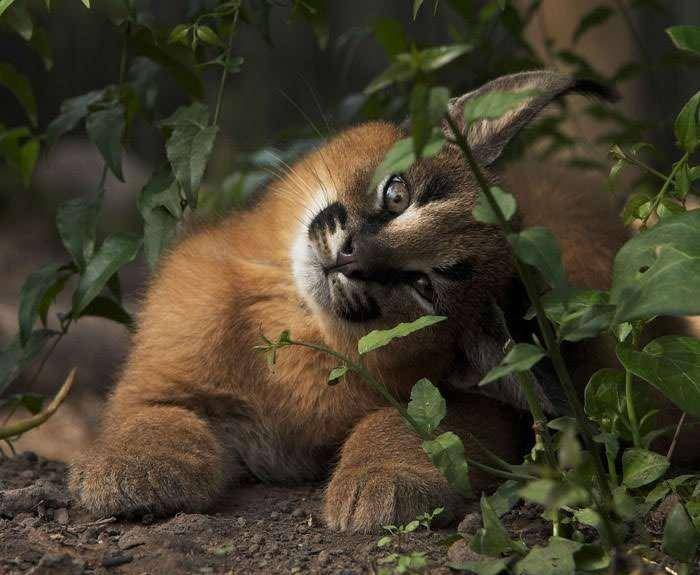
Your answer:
<point x="371" y="257"/>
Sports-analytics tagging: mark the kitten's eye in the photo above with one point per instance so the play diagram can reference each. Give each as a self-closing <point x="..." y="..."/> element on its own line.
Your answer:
<point x="396" y="196"/>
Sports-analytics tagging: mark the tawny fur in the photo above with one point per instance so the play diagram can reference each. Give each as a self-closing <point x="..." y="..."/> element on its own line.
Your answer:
<point x="196" y="407"/>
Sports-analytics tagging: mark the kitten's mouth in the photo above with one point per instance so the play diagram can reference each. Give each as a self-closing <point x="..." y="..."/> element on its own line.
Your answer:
<point x="418" y="282"/>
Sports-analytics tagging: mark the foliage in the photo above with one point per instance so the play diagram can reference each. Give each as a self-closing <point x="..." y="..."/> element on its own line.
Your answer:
<point x="597" y="468"/>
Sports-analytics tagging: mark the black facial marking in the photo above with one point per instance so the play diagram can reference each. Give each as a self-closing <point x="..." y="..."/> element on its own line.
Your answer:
<point x="461" y="271"/>
<point x="375" y="221"/>
<point x="437" y="188"/>
<point x="328" y="218"/>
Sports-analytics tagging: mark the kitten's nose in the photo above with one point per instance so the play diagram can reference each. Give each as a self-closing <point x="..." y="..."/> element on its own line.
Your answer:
<point x="346" y="254"/>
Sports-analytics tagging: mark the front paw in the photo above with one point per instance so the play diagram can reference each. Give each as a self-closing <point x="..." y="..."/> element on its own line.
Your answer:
<point x="109" y="484"/>
<point x="368" y="497"/>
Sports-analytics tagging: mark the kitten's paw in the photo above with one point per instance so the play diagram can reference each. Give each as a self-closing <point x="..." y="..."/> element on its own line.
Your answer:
<point x="109" y="484"/>
<point x="367" y="498"/>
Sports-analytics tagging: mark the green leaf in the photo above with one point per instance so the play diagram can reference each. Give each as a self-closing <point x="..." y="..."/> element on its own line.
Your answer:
<point x="337" y="372"/>
<point x="416" y="7"/>
<point x="379" y="338"/>
<point x="76" y="221"/>
<point x="4" y="5"/>
<point x="107" y="308"/>
<point x="591" y="557"/>
<point x="116" y="251"/>
<point x="160" y="206"/>
<point x="401" y="156"/>
<point x="32" y="402"/>
<point x="505" y="497"/>
<point x="658" y="272"/>
<point x="495" y="104"/>
<point x="492" y="539"/>
<point x="398" y="71"/>
<point x="427" y="406"/>
<point x="208" y="36"/>
<point x="179" y="34"/>
<point x="427" y="108"/>
<point x="105" y="128"/>
<point x="28" y="155"/>
<point x="176" y="59"/>
<point x="586" y="322"/>
<point x="553" y="494"/>
<point x="482" y="211"/>
<point x="641" y="467"/>
<point x="189" y="146"/>
<point x="686" y="125"/>
<point x="599" y="15"/>
<point x="21" y="89"/>
<point x="436" y="57"/>
<point x="681" y="538"/>
<point x="18" y="18"/>
<point x="447" y="454"/>
<point x="605" y="395"/>
<point x="35" y="288"/>
<point x="672" y="365"/>
<point x="87" y="3"/>
<point x="15" y="357"/>
<point x="557" y="558"/>
<point x="72" y="112"/>
<point x="686" y="38"/>
<point x="487" y="567"/>
<point x="520" y="358"/>
<point x="389" y="33"/>
<point x="538" y="248"/>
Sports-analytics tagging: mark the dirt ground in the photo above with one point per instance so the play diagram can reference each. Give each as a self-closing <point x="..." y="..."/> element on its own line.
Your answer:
<point x="257" y="529"/>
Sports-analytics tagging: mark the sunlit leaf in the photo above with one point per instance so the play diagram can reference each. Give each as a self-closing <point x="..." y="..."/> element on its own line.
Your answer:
<point x="672" y="365"/>
<point x="658" y="272"/>
<point x="427" y="406"/>
<point x="379" y="338"/>
<point x="482" y="211"/>
<point x="686" y="38"/>
<point x="447" y="454"/>
<point x="641" y="467"/>
<point x="495" y="104"/>
<point x="492" y="539"/>
<point x="686" y="125"/>
<point x="520" y="358"/>
<point x="557" y="558"/>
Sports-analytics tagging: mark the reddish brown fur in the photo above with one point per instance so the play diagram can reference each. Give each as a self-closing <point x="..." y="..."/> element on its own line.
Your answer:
<point x="196" y="407"/>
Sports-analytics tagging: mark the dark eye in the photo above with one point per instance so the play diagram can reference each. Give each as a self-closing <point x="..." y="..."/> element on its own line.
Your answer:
<point x="396" y="195"/>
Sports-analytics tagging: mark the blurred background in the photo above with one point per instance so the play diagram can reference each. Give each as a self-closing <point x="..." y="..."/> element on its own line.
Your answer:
<point x="295" y="87"/>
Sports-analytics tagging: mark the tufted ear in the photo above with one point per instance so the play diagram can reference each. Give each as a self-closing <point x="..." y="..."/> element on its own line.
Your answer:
<point x="488" y="137"/>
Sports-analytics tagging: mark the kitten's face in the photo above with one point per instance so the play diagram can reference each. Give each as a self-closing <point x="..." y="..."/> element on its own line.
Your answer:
<point x="406" y="248"/>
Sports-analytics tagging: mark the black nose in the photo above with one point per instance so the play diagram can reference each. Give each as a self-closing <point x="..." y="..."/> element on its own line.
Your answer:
<point x="346" y="254"/>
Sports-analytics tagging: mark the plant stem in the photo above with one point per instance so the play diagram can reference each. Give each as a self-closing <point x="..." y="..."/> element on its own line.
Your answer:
<point x="31" y="422"/>
<point x="552" y="346"/>
<point x="639" y="163"/>
<point x="526" y="381"/>
<point x="662" y="191"/>
<point x="629" y="400"/>
<point x="674" y="441"/>
<point x="224" y="73"/>
<point x="360" y="370"/>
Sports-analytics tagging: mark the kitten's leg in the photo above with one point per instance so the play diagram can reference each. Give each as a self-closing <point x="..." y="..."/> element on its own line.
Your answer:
<point x="385" y="478"/>
<point x="152" y="458"/>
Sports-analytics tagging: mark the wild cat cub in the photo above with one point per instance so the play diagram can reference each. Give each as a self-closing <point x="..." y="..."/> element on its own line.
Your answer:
<point x="196" y="407"/>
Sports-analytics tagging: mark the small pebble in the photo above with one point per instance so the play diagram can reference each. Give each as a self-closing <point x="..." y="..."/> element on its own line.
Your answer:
<point x="241" y="521"/>
<point x="298" y="512"/>
<point x="61" y="516"/>
<point x="274" y="515"/>
<point x="324" y="558"/>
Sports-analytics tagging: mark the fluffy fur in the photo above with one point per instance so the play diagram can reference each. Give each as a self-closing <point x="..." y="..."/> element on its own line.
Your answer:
<point x="196" y="407"/>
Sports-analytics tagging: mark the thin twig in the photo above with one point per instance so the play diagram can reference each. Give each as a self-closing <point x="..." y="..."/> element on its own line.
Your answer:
<point x="31" y="422"/>
<point x="672" y="447"/>
<point x="224" y="73"/>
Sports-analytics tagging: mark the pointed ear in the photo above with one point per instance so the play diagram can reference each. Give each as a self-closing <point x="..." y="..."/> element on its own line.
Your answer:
<point x="488" y="137"/>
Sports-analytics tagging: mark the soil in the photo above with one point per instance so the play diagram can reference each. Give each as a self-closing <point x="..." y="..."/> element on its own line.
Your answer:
<point x="257" y="529"/>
